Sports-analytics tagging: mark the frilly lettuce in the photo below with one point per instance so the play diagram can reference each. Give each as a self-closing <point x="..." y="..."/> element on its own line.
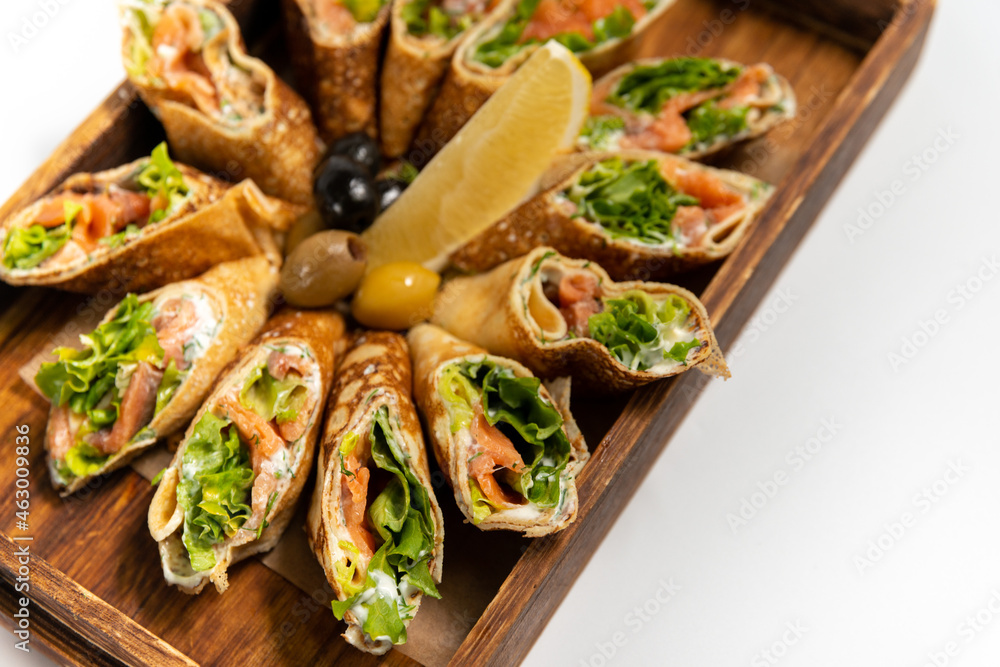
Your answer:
<point x="214" y="491"/>
<point x="271" y="398"/>
<point x="648" y="87"/>
<point x="401" y="515"/>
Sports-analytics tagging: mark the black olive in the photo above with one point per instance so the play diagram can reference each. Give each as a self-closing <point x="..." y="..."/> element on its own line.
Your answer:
<point x="345" y="195"/>
<point x="389" y="190"/>
<point x="360" y="148"/>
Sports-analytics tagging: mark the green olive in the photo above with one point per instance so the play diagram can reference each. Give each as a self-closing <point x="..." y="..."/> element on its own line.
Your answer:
<point x="323" y="269"/>
<point x="303" y="228"/>
<point x="395" y="296"/>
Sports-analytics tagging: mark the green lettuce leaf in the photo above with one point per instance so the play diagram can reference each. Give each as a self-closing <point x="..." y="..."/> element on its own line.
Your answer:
<point x="648" y="87"/>
<point x="637" y="332"/>
<point x="214" y="491"/>
<point x="629" y="200"/>
<point x="459" y="394"/>
<point x="271" y="398"/>
<point x="600" y="132"/>
<point x="401" y="515"/>
<point x="85" y="379"/>
<point x="481" y="506"/>
<point x="27" y="247"/>
<point x="708" y="122"/>
<point x="161" y="177"/>
<point x="172" y="379"/>
<point x="82" y="460"/>
<point x="423" y="17"/>
<point x="363" y="11"/>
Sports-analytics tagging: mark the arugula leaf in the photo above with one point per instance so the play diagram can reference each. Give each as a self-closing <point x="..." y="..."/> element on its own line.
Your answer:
<point x="648" y="87"/>
<point x="401" y="515"/>
<point x="214" y="491"/>
<point x="601" y="132"/>
<point x="172" y="379"/>
<point x="708" y="122"/>
<point x="163" y="182"/>
<point x="629" y="200"/>
<point x="273" y="399"/>
<point x="638" y="333"/>
<point x="27" y="247"/>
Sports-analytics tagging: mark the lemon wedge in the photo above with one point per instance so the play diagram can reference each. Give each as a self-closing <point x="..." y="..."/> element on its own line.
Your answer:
<point x="490" y="166"/>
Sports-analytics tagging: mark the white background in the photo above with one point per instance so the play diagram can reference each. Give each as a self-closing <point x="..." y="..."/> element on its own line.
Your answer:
<point x="827" y="553"/>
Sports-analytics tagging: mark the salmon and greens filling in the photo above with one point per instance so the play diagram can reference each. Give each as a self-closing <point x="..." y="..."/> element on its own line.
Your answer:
<point x="681" y="105"/>
<point x="73" y="224"/>
<point x="443" y="19"/>
<point x="641" y="331"/>
<point x="388" y="515"/>
<point x="106" y="394"/>
<point x="183" y="48"/>
<point x="517" y="447"/>
<point x="653" y="204"/>
<point x="239" y="453"/>
<point x="340" y="17"/>
<point x="579" y="25"/>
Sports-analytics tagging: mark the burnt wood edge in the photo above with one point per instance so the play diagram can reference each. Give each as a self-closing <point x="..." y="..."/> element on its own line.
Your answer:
<point x="540" y="580"/>
<point x="64" y="609"/>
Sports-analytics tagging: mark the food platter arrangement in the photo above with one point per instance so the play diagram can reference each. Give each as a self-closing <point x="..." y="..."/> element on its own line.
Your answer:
<point x="455" y="282"/>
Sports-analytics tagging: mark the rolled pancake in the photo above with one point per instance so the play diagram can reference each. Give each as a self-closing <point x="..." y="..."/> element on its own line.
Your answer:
<point x="551" y="219"/>
<point x="306" y="343"/>
<point x="338" y="71"/>
<point x="434" y="351"/>
<point x="216" y="223"/>
<point x="508" y="312"/>
<point x="469" y="83"/>
<point x="241" y="120"/>
<point x="374" y="379"/>
<point x="235" y="298"/>
<point x="411" y="76"/>
<point x="768" y="106"/>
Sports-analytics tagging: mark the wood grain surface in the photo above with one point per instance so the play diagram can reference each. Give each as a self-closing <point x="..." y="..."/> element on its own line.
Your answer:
<point x="98" y="594"/>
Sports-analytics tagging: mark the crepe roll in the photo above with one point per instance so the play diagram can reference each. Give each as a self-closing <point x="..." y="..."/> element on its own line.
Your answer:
<point x="222" y="109"/>
<point x="639" y="214"/>
<point x="232" y="486"/>
<point x="139" y="226"/>
<point x="423" y="37"/>
<point x="510" y="450"/>
<point x="688" y="106"/>
<point x="145" y="370"/>
<point x="603" y="35"/>
<point x="374" y="522"/>
<point x="560" y="316"/>
<point x="335" y="46"/>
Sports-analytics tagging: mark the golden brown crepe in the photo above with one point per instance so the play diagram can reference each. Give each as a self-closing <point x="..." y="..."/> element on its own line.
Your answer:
<point x="336" y="61"/>
<point x="215" y="223"/>
<point x="729" y="204"/>
<point x="478" y="459"/>
<point x="537" y="309"/>
<point x="293" y="360"/>
<point x="767" y="97"/>
<point x="205" y="321"/>
<point x="469" y="82"/>
<point x="415" y="64"/>
<point x="370" y="420"/>
<point x="222" y="109"/>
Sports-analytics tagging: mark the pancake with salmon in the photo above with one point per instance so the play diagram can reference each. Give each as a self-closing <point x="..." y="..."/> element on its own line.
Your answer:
<point x="639" y="214"/>
<point x="335" y="48"/>
<point x="423" y="37"/>
<point x="687" y="106"/>
<point x="145" y="370"/>
<point x="561" y="316"/>
<point x="374" y="523"/>
<point x="509" y="448"/>
<point x="222" y="110"/>
<point x="232" y="486"/>
<point x="139" y="226"/>
<point x="602" y="33"/>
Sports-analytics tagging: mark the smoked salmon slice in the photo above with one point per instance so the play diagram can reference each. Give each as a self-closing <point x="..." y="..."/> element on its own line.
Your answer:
<point x="173" y="329"/>
<point x="579" y="298"/>
<point x="557" y="17"/>
<point x="137" y="406"/>
<point x="177" y="42"/>
<point x="496" y="449"/>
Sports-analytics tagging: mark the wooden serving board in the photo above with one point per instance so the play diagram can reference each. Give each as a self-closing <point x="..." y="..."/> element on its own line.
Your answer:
<point x="97" y="593"/>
